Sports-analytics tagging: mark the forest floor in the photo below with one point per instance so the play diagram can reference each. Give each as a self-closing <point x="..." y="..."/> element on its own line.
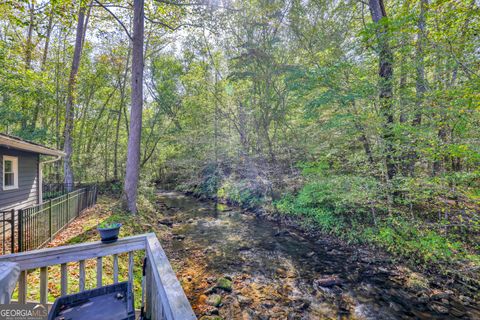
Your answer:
<point x="268" y="270"/>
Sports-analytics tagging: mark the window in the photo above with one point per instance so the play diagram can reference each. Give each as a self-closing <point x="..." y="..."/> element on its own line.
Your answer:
<point x="10" y="173"/>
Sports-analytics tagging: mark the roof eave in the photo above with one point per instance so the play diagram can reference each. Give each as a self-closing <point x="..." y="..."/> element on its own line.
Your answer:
<point x="25" y="146"/>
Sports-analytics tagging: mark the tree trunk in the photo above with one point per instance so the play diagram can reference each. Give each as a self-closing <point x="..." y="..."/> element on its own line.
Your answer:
<point x="29" y="46"/>
<point x="69" y="111"/>
<point x="119" y="117"/>
<point x="43" y="64"/>
<point x="134" y="139"/>
<point x="420" y="83"/>
<point x="28" y="59"/>
<point x="385" y="57"/>
<point x="115" y="148"/>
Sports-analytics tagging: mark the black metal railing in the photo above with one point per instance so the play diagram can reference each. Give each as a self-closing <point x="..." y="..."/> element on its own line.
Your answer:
<point x="33" y="227"/>
<point x="54" y="190"/>
<point x="7" y="231"/>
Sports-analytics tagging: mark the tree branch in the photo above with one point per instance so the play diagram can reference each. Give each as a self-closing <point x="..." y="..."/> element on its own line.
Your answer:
<point x="116" y="18"/>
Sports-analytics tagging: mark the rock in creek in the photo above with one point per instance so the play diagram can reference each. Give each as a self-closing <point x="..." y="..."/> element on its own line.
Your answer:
<point x="282" y="233"/>
<point x="281" y="273"/>
<point x="214" y="300"/>
<point x="246" y="315"/>
<point x="328" y="282"/>
<point x="242" y="300"/>
<point x="440" y="308"/>
<point x="439" y="295"/>
<point x="179" y="236"/>
<point x="211" y="318"/>
<point x="166" y="222"/>
<point x="224" y="284"/>
<point x="334" y="252"/>
<point x="300" y="304"/>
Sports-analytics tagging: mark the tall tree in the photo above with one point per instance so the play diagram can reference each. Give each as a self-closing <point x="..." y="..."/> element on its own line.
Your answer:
<point x="134" y="139"/>
<point x="69" y="111"/>
<point x="385" y="71"/>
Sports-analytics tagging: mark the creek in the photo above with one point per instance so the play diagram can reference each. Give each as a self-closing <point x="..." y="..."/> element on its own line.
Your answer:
<point x="235" y="265"/>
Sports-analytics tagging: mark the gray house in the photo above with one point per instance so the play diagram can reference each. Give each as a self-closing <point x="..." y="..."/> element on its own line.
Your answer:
<point x="21" y="171"/>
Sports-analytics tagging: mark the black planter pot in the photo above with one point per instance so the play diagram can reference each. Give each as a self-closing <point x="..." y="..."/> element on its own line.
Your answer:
<point x="109" y="235"/>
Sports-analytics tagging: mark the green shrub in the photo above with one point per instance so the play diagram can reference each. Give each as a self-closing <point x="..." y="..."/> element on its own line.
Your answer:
<point x="243" y="193"/>
<point x="339" y="194"/>
<point x="333" y="204"/>
<point x="323" y="218"/>
<point x="410" y="239"/>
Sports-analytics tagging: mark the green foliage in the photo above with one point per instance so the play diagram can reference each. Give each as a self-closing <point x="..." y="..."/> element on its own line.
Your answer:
<point x="335" y="193"/>
<point x="242" y="193"/>
<point x="108" y="225"/>
<point x="340" y="205"/>
<point x="414" y="241"/>
<point x="396" y="235"/>
<point x="326" y="220"/>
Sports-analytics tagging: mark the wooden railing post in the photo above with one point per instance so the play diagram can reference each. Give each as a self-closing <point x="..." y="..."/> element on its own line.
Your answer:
<point x="82" y="278"/>
<point x="99" y="272"/>
<point x="115" y="268"/>
<point x="43" y="285"/>
<point x="148" y="290"/>
<point x="20" y="230"/>
<point x="22" y="287"/>
<point x="64" y="279"/>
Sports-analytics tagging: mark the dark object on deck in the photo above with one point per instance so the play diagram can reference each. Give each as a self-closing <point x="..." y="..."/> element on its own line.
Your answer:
<point x="109" y="233"/>
<point x="112" y="302"/>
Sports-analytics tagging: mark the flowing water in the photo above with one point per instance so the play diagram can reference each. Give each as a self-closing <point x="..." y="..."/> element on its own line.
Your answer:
<point x="278" y="273"/>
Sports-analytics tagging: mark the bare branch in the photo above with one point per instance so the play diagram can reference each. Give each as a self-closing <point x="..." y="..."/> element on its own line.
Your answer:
<point x="116" y="18"/>
<point x="173" y="28"/>
<point x="183" y="4"/>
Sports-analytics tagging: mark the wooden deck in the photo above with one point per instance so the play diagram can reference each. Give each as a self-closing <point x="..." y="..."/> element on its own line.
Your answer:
<point x="164" y="296"/>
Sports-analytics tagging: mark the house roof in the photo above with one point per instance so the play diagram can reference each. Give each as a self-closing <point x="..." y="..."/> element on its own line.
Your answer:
<point x="20" y="144"/>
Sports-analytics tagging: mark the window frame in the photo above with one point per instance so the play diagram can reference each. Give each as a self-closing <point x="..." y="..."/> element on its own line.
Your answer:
<point x="14" y="161"/>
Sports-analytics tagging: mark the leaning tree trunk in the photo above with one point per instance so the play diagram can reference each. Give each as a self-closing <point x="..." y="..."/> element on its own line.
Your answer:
<point x="385" y="57"/>
<point x="133" y="153"/>
<point x="69" y="110"/>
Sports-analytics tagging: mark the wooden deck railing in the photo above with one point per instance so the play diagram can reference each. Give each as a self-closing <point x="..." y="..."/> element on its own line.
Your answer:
<point x="164" y="296"/>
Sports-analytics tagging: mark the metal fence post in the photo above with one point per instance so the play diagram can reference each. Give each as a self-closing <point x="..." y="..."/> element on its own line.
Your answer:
<point x="68" y="207"/>
<point x="12" y="230"/>
<point x="78" y="204"/>
<point x="50" y="218"/>
<point x="20" y="230"/>
<point x="85" y="198"/>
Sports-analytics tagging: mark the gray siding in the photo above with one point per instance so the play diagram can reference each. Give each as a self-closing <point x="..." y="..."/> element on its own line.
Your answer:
<point x="27" y="193"/>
